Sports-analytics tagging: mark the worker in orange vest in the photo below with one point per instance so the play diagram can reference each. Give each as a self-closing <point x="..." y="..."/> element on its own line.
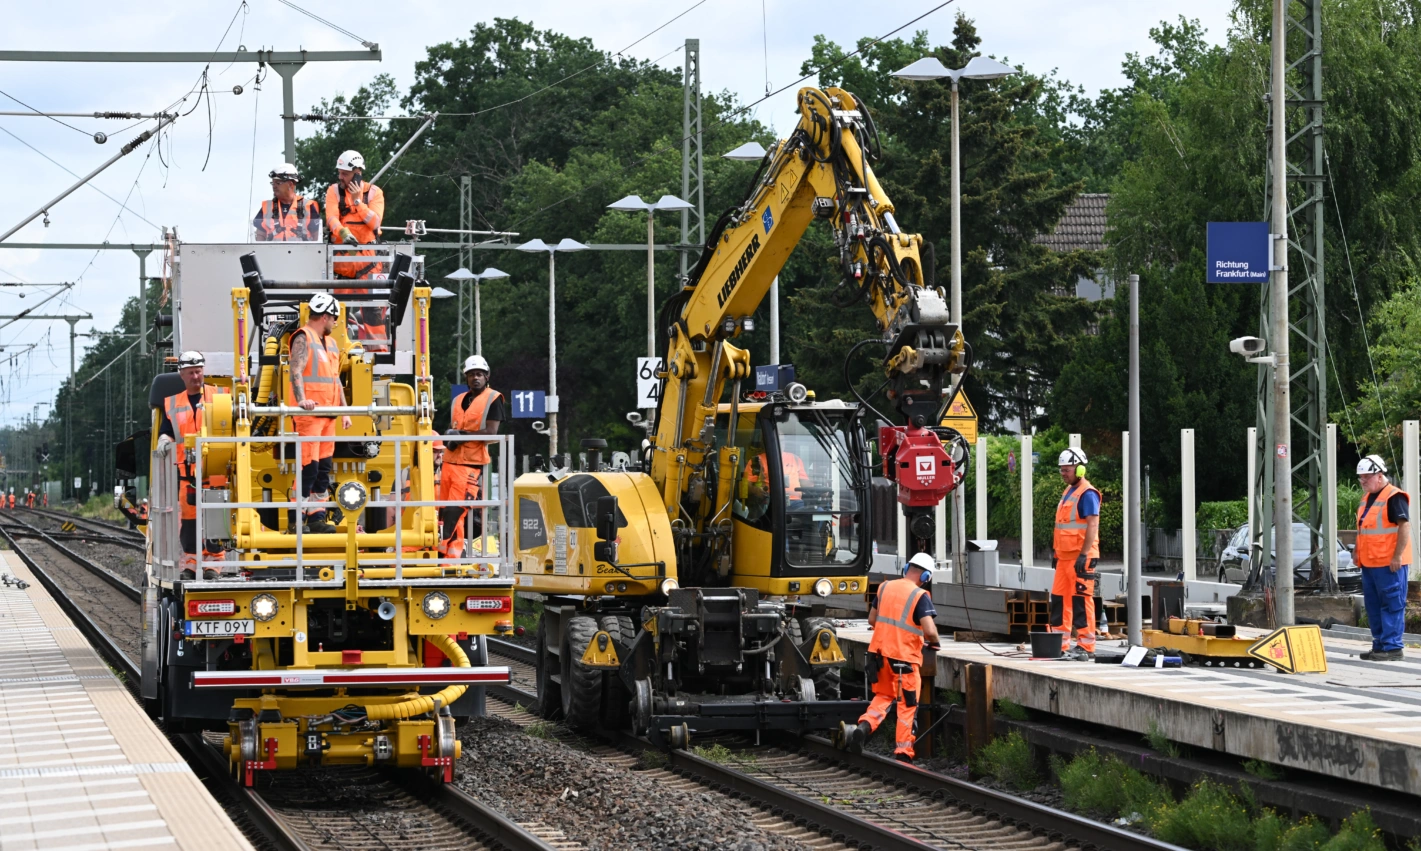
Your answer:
<point x="314" y="379"/>
<point x="12" y="497"/>
<point x="46" y="499"/>
<point x="1077" y="548"/>
<point x="478" y="410"/>
<point x="758" y="472"/>
<point x="354" y="211"/>
<point x="288" y="216"/>
<point x="901" y="618"/>
<point x="1384" y="554"/>
<point x="182" y="415"/>
<point x="29" y="499"/>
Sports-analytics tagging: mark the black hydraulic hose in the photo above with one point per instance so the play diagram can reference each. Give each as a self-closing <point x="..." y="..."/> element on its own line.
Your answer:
<point x="928" y="253"/>
<point x="849" y="381"/>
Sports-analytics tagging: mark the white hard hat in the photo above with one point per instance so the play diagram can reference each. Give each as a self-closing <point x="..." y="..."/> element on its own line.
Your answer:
<point x="350" y="160"/>
<point x="187" y="359"/>
<point x="324" y="303"/>
<point x="1371" y="464"/>
<point x="922" y="560"/>
<point x="285" y="171"/>
<point x="473" y="362"/>
<point x="1071" y="456"/>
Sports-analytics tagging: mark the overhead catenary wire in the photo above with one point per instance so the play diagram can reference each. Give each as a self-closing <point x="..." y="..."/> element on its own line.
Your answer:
<point x="69" y="172"/>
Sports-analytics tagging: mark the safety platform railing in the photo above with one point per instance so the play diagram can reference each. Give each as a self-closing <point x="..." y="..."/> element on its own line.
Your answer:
<point x="468" y="568"/>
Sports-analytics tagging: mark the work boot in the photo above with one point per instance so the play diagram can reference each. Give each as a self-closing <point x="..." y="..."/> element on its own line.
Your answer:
<point x="902" y="757"/>
<point x="1079" y="654"/>
<point x="316" y="525"/>
<point x="1384" y="656"/>
<point x="856" y="737"/>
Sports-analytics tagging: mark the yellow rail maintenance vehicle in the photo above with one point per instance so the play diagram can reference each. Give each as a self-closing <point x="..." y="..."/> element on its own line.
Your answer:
<point x="689" y="595"/>
<point x="358" y="646"/>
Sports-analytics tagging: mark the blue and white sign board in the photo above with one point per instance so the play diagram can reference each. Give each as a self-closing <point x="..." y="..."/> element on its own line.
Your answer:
<point x="529" y="404"/>
<point x="455" y="390"/>
<point x="648" y="386"/>
<point x="773" y="377"/>
<point x="1239" y="253"/>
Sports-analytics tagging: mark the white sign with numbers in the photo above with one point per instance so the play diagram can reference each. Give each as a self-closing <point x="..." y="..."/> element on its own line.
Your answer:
<point x="648" y="386"/>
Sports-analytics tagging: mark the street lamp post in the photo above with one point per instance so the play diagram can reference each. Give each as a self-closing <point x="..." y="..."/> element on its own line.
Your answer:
<point x="977" y="68"/>
<point x="552" y="398"/>
<point x="490" y="274"/>
<point x="753" y="152"/>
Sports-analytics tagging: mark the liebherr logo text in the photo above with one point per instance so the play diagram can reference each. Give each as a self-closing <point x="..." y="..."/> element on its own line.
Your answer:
<point x="729" y="286"/>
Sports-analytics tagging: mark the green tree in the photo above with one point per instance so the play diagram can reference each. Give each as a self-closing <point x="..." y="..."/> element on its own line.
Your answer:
<point x="1376" y="415"/>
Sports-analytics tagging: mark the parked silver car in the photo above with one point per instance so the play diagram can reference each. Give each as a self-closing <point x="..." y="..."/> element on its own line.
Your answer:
<point x="1233" y="561"/>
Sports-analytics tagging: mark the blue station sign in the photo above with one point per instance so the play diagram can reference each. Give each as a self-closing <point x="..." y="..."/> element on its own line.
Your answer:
<point x="1239" y="253"/>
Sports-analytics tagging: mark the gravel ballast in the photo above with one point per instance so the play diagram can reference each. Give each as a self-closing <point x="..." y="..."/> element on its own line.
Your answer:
<point x="601" y="805"/>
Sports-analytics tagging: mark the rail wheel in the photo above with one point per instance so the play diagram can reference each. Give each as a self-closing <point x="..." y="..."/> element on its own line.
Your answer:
<point x="826" y="681"/>
<point x="581" y="686"/>
<point x="616" y="700"/>
<point x="549" y="692"/>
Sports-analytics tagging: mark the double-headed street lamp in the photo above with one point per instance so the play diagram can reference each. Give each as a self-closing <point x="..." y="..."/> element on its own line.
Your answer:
<point x="979" y="68"/>
<point x="552" y="398"/>
<point x="632" y="204"/>
<point x="753" y="152"/>
<point x="459" y="276"/>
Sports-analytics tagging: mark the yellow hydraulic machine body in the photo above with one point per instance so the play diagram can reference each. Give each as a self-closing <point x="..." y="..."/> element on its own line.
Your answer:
<point x="360" y="646"/>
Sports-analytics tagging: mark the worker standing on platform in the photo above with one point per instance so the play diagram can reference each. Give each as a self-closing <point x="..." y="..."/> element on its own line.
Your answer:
<point x="182" y="415"/>
<point x="288" y="216"/>
<point x="315" y="380"/>
<point x="354" y="210"/>
<point x="1077" y="549"/>
<point x="901" y="618"/>
<point x="1384" y="554"/>
<point x="478" y="410"/>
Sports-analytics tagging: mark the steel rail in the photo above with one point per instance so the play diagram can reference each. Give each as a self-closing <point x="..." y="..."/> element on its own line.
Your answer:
<point x="487" y="823"/>
<point x="100" y="639"/>
<point x="266" y="819"/>
<point x="1069" y="827"/>
<point x="96" y="525"/>
<point x="98" y="570"/>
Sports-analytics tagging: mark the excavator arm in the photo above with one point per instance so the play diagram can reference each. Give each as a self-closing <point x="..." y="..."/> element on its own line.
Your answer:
<point x="820" y="171"/>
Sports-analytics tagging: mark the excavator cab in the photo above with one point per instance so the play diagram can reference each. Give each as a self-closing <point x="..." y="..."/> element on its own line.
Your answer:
<point x="798" y="496"/>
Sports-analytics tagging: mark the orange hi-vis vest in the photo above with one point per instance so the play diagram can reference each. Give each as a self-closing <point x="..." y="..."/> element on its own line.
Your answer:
<point x="362" y="215"/>
<point x="186" y="420"/>
<point x="470" y="453"/>
<point x="794" y="472"/>
<point x="321" y="377"/>
<point x="895" y="635"/>
<point x="299" y="222"/>
<point x="1376" y="535"/>
<point x="1070" y="526"/>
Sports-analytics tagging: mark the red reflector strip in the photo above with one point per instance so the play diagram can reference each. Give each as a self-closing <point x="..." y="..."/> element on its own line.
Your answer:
<point x="336" y="677"/>
<point x="488" y="604"/>
<point x="210" y="608"/>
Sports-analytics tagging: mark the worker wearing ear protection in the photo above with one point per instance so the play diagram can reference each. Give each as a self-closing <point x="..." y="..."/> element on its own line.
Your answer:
<point x="901" y="618"/>
<point x="1077" y="546"/>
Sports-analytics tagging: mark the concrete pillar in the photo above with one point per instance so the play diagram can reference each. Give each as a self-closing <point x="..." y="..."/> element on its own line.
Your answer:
<point x="1028" y="553"/>
<point x="1411" y="476"/>
<point x="1125" y="497"/>
<point x="981" y="485"/>
<point x="1187" y="505"/>
<point x="902" y="536"/>
<point x="1074" y="441"/>
<point x="940" y="534"/>
<point x="1329" y="497"/>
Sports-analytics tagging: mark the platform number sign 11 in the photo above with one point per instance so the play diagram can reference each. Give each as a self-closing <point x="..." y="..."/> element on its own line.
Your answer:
<point x="648" y="386"/>
<point x="529" y="404"/>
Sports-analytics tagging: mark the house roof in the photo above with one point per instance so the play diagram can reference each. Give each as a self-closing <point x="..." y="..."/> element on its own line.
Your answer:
<point x="1082" y="226"/>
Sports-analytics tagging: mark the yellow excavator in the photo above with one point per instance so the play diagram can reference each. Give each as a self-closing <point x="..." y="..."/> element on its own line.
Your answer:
<point x="689" y="595"/>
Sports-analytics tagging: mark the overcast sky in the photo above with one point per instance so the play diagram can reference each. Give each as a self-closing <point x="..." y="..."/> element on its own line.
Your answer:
<point x="743" y="43"/>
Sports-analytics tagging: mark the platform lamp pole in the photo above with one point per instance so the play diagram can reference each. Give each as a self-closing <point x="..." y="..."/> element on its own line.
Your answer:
<point x="489" y="274"/>
<point x="753" y="152"/>
<point x="533" y="245"/>
<point x="1134" y="624"/>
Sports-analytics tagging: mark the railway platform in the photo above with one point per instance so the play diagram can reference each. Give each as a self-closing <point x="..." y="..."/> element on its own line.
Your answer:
<point x="81" y="765"/>
<point x="1360" y="721"/>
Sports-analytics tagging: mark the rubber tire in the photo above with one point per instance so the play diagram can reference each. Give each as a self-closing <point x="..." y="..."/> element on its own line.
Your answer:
<point x="581" y="686"/>
<point x="1223" y="575"/>
<point x="826" y="682"/>
<point x="616" y="700"/>
<point x="793" y="630"/>
<point x="549" y="693"/>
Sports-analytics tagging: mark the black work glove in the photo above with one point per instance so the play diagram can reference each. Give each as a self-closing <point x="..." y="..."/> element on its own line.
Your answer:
<point x="453" y="432"/>
<point x="1081" y="563"/>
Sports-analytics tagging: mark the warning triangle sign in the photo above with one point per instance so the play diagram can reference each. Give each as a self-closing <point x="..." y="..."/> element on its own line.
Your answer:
<point x="1292" y="650"/>
<point x="962" y="417"/>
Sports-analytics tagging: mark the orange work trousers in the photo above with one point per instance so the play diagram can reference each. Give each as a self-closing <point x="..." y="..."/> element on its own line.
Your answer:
<point x="1073" y="602"/>
<point x="310" y="427"/>
<point x="457" y="482"/>
<point x="891" y="687"/>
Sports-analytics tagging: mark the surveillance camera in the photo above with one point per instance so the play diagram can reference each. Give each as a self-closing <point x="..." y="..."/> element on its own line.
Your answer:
<point x="1248" y="346"/>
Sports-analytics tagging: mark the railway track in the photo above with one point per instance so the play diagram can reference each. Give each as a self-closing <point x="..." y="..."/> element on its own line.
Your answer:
<point x="853" y="800"/>
<point x="100" y="527"/>
<point x="355" y="809"/>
